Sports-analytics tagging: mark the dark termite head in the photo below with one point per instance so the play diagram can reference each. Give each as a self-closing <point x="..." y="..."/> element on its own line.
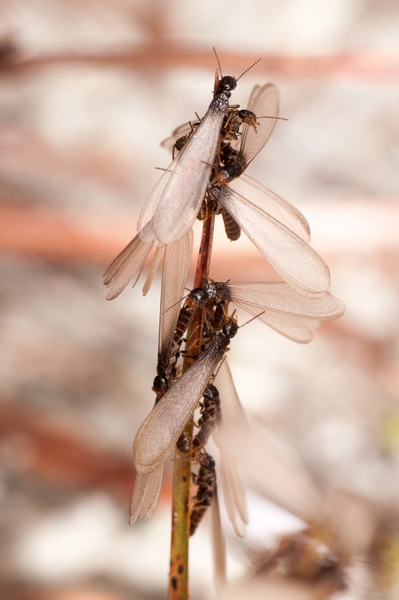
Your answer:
<point x="211" y="392"/>
<point x="160" y="385"/>
<point x="208" y="462"/>
<point x="199" y="295"/>
<point x="230" y="329"/>
<point x="226" y="84"/>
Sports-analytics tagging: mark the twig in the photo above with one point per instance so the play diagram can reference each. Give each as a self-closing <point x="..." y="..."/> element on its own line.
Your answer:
<point x="179" y="575"/>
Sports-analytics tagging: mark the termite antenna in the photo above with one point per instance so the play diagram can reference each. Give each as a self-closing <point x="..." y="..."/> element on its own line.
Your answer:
<point x="174" y="304"/>
<point x="275" y="118"/>
<point x="218" y="62"/>
<point x="253" y="319"/>
<point x="249" y="68"/>
<point x="218" y="369"/>
<point x="162" y="169"/>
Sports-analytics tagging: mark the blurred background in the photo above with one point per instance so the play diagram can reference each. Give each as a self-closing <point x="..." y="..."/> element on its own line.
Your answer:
<point x="88" y="90"/>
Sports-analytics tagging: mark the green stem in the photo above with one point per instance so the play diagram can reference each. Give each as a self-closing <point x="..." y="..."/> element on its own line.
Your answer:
<point x="179" y="574"/>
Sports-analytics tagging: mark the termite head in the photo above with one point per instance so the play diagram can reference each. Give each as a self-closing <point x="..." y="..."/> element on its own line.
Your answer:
<point x="211" y="392"/>
<point x="226" y="84"/>
<point x="208" y="462"/>
<point x="160" y="385"/>
<point x="199" y="295"/>
<point x="230" y="329"/>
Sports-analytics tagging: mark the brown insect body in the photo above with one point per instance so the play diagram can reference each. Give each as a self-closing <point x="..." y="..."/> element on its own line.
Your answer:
<point x="210" y="416"/>
<point x="206" y="482"/>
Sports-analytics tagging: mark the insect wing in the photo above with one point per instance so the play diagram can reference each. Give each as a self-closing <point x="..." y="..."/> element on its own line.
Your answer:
<point x="161" y="429"/>
<point x="272" y="472"/>
<point x="264" y="102"/>
<point x="155" y="197"/>
<point x="278" y="296"/>
<point x="233" y="418"/>
<point x="272" y="204"/>
<point x="218" y="543"/>
<point x="297" y="263"/>
<point x="176" y="264"/>
<point x="187" y="184"/>
<point x="233" y="413"/>
<point x="129" y="262"/>
<point x="146" y="493"/>
<point x="293" y="328"/>
<point x="156" y="259"/>
<point x="233" y="493"/>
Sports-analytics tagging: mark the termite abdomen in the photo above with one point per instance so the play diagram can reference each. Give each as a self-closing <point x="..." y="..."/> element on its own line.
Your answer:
<point x="210" y="416"/>
<point x="206" y="482"/>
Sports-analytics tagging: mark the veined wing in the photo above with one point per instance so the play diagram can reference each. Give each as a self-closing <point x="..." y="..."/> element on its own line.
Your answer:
<point x="187" y="184"/>
<point x="175" y="268"/>
<point x="129" y="262"/>
<point x="155" y="197"/>
<point x="297" y="263"/>
<point x="264" y="101"/>
<point x="233" y="418"/>
<point x="291" y="327"/>
<point x="218" y="543"/>
<point x="279" y="297"/>
<point x="146" y="493"/>
<point x="271" y="203"/>
<point x="161" y="429"/>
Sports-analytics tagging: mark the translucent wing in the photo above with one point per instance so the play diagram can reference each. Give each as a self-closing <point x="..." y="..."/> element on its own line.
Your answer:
<point x="233" y="493"/>
<point x="146" y="493"/>
<point x="272" y="204"/>
<point x="274" y="473"/>
<point x="291" y="327"/>
<point x="218" y="543"/>
<point x="233" y="417"/>
<point x="155" y="197"/>
<point x="129" y="262"/>
<point x="279" y="297"/>
<point x="161" y="429"/>
<point x="297" y="263"/>
<point x="263" y="101"/>
<point x="176" y="264"/>
<point x="186" y="187"/>
<point x="156" y="259"/>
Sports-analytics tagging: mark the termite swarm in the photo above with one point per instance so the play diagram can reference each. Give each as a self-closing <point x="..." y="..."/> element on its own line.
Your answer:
<point x="206" y="178"/>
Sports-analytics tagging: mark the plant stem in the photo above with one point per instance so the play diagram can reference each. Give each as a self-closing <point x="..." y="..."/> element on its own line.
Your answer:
<point x="179" y="574"/>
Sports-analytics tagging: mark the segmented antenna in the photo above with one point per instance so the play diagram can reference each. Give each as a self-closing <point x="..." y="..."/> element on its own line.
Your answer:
<point x="218" y="62"/>
<point x="220" y="68"/>
<point x="249" y="68"/>
<point x="250" y="320"/>
<point x="275" y="118"/>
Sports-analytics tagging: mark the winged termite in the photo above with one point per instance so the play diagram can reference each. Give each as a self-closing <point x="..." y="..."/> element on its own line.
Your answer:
<point x="185" y="181"/>
<point x="278" y="230"/>
<point x="147" y="487"/>
<point x="173" y="205"/>
<point x="210" y="416"/>
<point x="161" y="429"/>
<point x="206" y="489"/>
<point x="274" y="303"/>
<point x="231" y="162"/>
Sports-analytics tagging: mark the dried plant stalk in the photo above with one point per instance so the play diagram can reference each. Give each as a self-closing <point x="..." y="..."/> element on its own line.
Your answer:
<point x="178" y="574"/>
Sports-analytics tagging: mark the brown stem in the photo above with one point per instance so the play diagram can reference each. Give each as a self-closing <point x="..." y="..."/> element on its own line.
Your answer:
<point x="178" y="575"/>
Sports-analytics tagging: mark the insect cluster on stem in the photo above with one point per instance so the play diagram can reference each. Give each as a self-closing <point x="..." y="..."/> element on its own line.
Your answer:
<point x="207" y="178"/>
